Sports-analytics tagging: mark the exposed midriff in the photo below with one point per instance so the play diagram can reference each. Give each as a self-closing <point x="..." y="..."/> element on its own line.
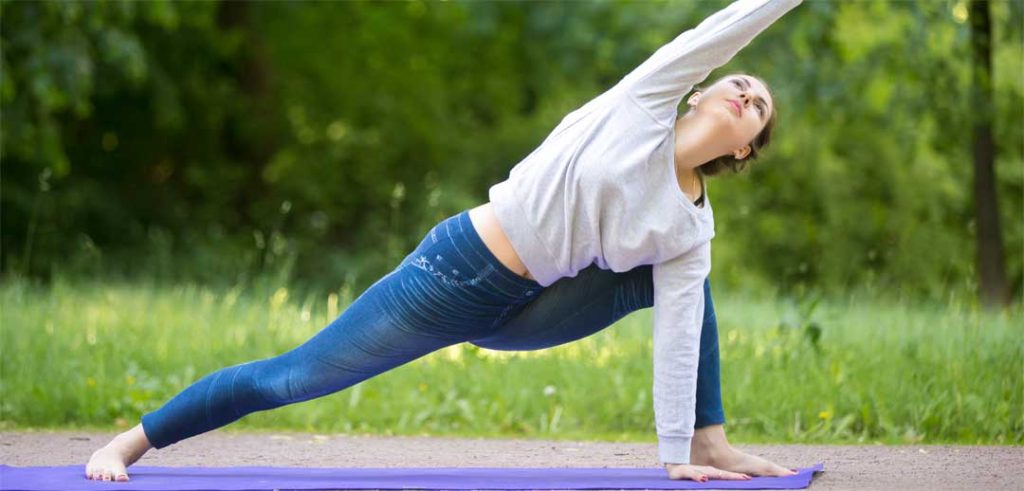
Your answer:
<point x="486" y="224"/>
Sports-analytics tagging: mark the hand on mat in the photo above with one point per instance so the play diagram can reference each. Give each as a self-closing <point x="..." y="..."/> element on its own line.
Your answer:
<point x="701" y="473"/>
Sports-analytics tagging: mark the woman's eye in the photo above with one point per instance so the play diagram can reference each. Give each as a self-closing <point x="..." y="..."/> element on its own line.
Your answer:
<point x="760" y="108"/>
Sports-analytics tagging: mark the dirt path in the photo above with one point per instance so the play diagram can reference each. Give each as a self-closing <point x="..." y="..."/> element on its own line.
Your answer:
<point x="923" y="467"/>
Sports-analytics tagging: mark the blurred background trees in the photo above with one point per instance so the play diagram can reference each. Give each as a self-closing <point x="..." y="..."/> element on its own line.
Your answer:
<point x="222" y="141"/>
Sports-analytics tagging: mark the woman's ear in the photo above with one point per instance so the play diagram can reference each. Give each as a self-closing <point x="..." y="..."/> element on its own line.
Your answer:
<point x="741" y="153"/>
<point x="693" y="99"/>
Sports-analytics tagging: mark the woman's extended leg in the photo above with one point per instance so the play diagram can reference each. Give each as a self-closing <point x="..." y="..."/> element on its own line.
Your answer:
<point x="573" y="308"/>
<point x="449" y="290"/>
<point x="362" y="342"/>
<point x="367" y="339"/>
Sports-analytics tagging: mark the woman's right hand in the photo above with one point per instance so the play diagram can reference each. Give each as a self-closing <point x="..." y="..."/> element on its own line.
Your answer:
<point x="702" y="473"/>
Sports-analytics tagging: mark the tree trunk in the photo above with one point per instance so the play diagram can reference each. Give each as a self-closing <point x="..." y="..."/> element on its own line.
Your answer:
<point x="249" y="135"/>
<point x="991" y="270"/>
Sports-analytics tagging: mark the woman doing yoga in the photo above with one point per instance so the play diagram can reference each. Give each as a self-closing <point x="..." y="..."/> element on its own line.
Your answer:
<point x="607" y="216"/>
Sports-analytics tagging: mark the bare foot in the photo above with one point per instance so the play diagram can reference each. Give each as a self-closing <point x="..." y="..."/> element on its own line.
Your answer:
<point x="736" y="461"/>
<point x="110" y="462"/>
<point x="710" y="447"/>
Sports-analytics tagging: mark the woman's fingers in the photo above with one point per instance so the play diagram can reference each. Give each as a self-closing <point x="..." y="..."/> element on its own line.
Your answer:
<point x="683" y="471"/>
<point x="719" y="474"/>
<point x="735" y="476"/>
<point x="703" y="473"/>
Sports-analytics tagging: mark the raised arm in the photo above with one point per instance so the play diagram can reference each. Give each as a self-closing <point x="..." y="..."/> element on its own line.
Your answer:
<point x="678" y="316"/>
<point x="660" y="82"/>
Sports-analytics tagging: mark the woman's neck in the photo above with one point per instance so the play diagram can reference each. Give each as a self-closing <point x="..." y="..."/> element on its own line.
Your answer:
<point x="692" y="150"/>
<point x="694" y="144"/>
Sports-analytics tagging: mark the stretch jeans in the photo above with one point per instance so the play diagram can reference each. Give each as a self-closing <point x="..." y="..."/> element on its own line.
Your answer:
<point x="449" y="290"/>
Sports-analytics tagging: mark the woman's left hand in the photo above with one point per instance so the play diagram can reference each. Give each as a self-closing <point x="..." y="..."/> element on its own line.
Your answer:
<point x="702" y="473"/>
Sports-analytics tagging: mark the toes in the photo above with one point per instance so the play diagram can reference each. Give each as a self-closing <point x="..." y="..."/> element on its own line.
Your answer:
<point x="120" y="473"/>
<point x="782" y="471"/>
<point x="727" y="475"/>
<point x="759" y="466"/>
<point x="777" y="471"/>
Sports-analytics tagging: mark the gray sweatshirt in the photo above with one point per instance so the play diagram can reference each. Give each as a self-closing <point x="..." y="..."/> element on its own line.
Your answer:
<point x="602" y="189"/>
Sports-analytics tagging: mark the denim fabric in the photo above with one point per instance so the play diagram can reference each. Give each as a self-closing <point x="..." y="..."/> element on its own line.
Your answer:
<point x="574" y="308"/>
<point x="450" y="289"/>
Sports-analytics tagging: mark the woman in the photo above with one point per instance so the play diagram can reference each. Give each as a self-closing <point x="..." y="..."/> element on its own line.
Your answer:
<point x="608" y="215"/>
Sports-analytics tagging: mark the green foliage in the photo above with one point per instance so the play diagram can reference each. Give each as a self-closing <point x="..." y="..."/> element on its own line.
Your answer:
<point x="877" y="369"/>
<point x="221" y="141"/>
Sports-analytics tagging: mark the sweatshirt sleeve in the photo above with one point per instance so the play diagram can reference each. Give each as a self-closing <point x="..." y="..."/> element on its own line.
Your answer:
<point x="678" y="316"/>
<point x="659" y="83"/>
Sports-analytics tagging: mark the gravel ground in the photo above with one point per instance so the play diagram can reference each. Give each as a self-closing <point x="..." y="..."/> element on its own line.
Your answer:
<point x="924" y="467"/>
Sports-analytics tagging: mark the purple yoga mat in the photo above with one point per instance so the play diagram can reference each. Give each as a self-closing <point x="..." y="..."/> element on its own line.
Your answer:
<point x="143" y="478"/>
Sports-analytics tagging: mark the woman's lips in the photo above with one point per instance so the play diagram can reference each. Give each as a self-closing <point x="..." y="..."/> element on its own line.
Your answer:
<point x="739" y="110"/>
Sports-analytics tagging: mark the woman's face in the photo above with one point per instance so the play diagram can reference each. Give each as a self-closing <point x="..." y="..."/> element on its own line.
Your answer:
<point x="739" y="107"/>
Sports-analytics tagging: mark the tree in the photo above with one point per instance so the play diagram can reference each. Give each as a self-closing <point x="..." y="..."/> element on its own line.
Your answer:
<point x="991" y="270"/>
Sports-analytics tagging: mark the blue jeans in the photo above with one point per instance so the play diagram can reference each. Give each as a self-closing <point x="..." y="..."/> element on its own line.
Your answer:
<point x="449" y="290"/>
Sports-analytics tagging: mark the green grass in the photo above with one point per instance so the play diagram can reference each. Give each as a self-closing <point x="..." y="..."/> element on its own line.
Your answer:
<point x="99" y="354"/>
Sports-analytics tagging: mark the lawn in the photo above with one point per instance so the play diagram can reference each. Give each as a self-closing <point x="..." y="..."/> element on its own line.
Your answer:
<point x="81" y="354"/>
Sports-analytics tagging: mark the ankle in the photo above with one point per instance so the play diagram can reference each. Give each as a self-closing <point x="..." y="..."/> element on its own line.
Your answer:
<point x="132" y="444"/>
<point x="710" y="444"/>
